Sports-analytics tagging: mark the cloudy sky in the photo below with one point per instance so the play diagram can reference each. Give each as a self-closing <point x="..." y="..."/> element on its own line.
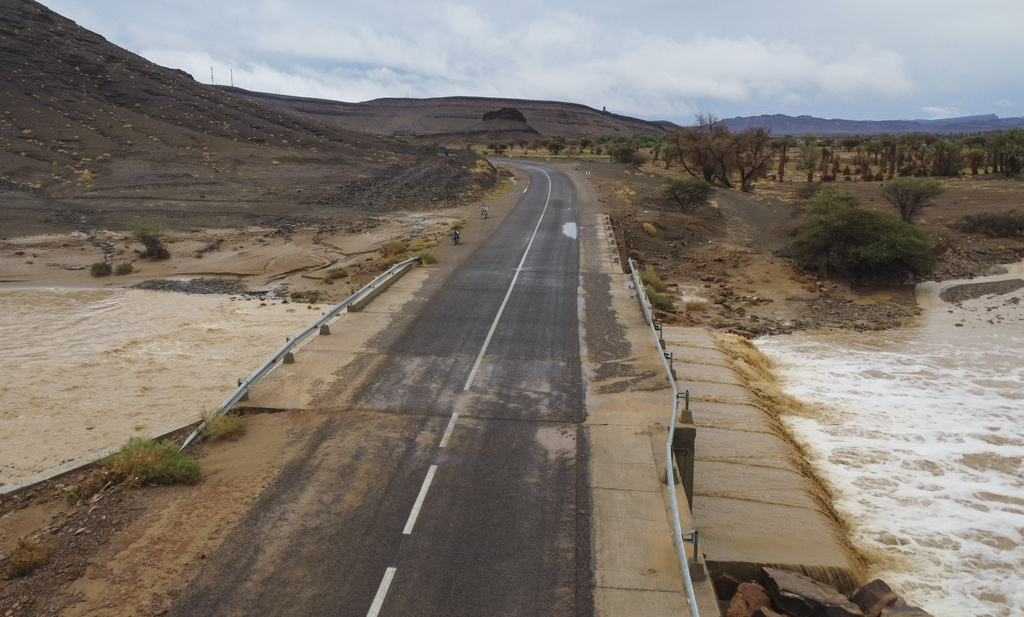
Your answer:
<point x="652" y="59"/>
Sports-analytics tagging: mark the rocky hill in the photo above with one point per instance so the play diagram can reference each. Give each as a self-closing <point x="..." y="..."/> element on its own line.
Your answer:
<point x="83" y="119"/>
<point x="782" y="125"/>
<point x="461" y="119"/>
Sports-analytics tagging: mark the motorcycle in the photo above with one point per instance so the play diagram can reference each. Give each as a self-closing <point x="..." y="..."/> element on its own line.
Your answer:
<point x="483" y="213"/>
<point x="455" y="237"/>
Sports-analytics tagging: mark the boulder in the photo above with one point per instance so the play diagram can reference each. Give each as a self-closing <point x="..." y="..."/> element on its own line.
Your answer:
<point x="873" y="597"/>
<point x="725" y="586"/>
<point x="767" y="612"/>
<point x="904" y="611"/>
<point x="801" y="596"/>
<point x="749" y="598"/>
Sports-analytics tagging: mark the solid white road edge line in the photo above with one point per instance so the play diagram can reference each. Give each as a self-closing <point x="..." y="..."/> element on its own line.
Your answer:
<point x="419" y="500"/>
<point x="494" y="326"/>
<point x="382" y="591"/>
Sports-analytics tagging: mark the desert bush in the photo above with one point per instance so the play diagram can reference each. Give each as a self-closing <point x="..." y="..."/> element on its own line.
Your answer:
<point x="993" y="224"/>
<point x="85" y="489"/>
<point x="296" y="295"/>
<point x="805" y="192"/>
<point x="696" y="306"/>
<point x="390" y="260"/>
<point x="151" y="237"/>
<point x="837" y="236"/>
<point x="100" y="268"/>
<point x="650" y="230"/>
<point x="636" y="254"/>
<point x="123" y="268"/>
<point x="459" y="224"/>
<point x="911" y="195"/>
<point x="145" y="461"/>
<point x="395" y="247"/>
<point x="223" y="427"/>
<point x="427" y="258"/>
<point x="335" y="273"/>
<point x="419" y="245"/>
<point x="688" y="193"/>
<point x="650" y="278"/>
<point x="659" y="300"/>
<point x="28" y="556"/>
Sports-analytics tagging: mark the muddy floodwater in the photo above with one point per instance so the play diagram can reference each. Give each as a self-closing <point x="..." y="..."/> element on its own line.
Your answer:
<point x="921" y="434"/>
<point x="85" y="369"/>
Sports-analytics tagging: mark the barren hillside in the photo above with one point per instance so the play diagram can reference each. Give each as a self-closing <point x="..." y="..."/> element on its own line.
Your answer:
<point x="82" y="119"/>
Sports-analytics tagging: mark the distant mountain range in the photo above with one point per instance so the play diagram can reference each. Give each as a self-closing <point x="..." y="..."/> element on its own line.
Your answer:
<point x="796" y="126"/>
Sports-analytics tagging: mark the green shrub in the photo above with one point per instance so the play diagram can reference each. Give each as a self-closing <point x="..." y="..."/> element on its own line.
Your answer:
<point x="660" y="301"/>
<point x="427" y="258"/>
<point x="295" y="296"/>
<point x="650" y="278"/>
<point x="101" y="268"/>
<point x="459" y="224"/>
<point x="125" y="267"/>
<point x="688" y="193"/>
<point x="839" y="237"/>
<point x="145" y="461"/>
<point x="152" y="238"/>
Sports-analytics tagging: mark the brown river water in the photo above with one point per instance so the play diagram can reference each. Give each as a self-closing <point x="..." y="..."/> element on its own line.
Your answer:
<point x="82" y="370"/>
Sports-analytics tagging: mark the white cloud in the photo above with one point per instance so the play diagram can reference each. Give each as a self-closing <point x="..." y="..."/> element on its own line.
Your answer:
<point x="650" y="59"/>
<point x="935" y="113"/>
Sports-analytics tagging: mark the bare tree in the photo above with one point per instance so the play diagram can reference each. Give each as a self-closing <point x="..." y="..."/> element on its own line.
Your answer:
<point x="752" y="151"/>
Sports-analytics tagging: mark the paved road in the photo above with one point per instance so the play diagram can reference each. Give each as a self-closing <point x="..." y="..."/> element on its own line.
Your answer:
<point x="455" y="484"/>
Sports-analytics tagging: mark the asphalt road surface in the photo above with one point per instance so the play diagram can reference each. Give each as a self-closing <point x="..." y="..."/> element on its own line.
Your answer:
<point x="455" y="482"/>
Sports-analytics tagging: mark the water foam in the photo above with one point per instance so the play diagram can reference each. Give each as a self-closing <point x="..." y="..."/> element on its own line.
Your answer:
<point x="921" y="431"/>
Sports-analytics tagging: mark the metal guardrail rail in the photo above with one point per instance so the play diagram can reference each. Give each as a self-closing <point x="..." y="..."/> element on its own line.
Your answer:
<point x="677" y="526"/>
<point x="245" y="384"/>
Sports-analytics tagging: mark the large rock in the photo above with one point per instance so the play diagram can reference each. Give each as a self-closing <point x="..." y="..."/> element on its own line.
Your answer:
<point x="767" y="612"/>
<point x="725" y="586"/>
<point x="800" y="596"/>
<point x="873" y="597"/>
<point x="749" y="598"/>
<point x="904" y="611"/>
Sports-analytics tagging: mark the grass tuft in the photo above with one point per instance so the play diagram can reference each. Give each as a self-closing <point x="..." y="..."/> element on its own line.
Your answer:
<point x="335" y="273"/>
<point x="145" y="461"/>
<point x="427" y="258"/>
<point x="28" y="556"/>
<point x="224" y="427"/>
<point x="650" y="230"/>
<point x="650" y="278"/>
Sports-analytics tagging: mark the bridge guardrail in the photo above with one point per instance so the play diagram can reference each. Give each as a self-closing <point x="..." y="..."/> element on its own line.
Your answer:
<point x="677" y="526"/>
<point x="245" y="384"/>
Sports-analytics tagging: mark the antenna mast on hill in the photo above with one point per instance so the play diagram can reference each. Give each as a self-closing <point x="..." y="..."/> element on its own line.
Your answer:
<point x="211" y="76"/>
<point x="231" y="73"/>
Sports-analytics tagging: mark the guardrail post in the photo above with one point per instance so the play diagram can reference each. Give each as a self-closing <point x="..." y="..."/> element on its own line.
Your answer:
<point x="325" y="330"/>
<point x="289" y="358"/>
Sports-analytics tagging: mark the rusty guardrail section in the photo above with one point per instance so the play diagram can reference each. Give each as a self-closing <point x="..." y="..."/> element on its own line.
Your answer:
<point x="677" y="526"/>
<point x="373" y="288"/>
